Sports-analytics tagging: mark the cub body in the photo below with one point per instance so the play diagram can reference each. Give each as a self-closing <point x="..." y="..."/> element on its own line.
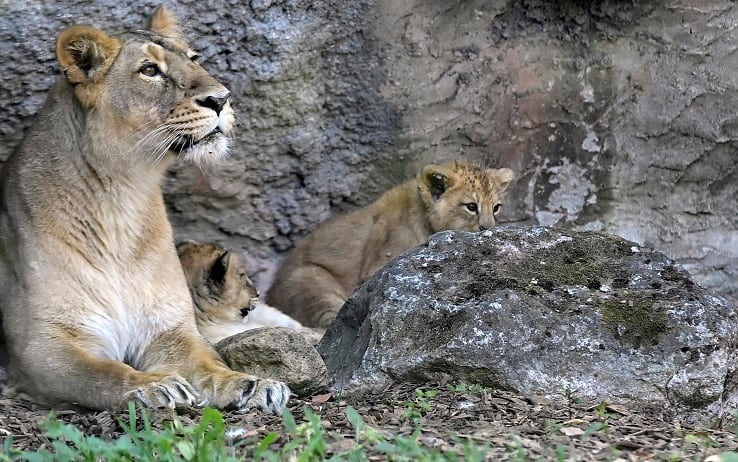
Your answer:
<point x="95" y="307"/>
<point x="317" y="277"/>
<point x="226" y="300"/>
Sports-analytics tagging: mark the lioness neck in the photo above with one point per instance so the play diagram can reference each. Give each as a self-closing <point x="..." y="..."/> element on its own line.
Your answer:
<point x="92" y="195"/>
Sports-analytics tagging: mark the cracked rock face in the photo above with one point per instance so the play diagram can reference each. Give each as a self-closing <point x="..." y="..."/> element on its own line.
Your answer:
<point x="616" y="116"/>
<point x="543" y="311"/>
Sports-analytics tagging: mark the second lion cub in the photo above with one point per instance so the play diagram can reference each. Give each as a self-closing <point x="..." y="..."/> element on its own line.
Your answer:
<point x="321" y="272"/>
<point x="226" y="300"/>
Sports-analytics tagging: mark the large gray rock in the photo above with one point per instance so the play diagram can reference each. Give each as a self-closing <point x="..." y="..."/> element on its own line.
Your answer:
<point x="618" y="116"/>
<point x="540" y="311"/>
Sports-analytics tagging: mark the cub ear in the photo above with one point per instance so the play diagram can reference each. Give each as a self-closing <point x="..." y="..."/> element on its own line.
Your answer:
<point x="184" y="246"/>
<point x="219" y="270"/>
<point x="85" y="53"/>
<point x="165" y="23"/>
<point x="503" y="177"/>
<point x="435" y="179"/>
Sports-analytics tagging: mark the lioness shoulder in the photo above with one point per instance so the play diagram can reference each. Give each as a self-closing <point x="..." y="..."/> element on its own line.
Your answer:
<point x="317" y="277"/>
<point x="80" y="200"/>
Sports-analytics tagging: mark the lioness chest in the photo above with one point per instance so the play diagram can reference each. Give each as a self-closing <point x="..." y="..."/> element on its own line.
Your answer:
<point x="116" y="302"/>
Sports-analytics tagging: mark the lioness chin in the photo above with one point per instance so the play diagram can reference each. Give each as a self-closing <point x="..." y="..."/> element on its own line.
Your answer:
<point x="95" y="307"/>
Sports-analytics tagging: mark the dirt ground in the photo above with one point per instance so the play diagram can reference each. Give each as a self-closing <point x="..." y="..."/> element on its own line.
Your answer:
<point x="514" y="427"/>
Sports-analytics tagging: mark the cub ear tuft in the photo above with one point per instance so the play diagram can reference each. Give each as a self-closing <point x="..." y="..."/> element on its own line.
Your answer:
<point x="503" y="177"/>
<point x="166" y="23"/>
<point x="85" y="53"/>
<point x="436" y="180"/>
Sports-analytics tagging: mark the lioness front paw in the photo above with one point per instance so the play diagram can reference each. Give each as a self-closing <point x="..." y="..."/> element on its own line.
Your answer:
<point x="167" y="391"/>
<point x="266" y="395"/>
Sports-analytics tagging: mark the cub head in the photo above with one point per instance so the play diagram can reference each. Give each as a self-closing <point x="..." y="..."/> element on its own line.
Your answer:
<point x="462" y="196"/>
<point x="144" y="90"/>
<point x="220" y="288"/>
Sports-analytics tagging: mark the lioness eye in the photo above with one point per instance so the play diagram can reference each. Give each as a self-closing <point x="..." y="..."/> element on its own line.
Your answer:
<point x="496" y="208"/>
<point x="150" y="70"/>
<point x="471" y="206"/>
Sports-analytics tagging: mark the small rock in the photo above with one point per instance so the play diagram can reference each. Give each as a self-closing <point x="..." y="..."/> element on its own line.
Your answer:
<point x="278" y="353"/>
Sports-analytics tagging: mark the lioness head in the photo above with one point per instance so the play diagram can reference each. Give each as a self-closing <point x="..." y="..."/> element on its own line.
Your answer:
<point x="147" y="91"/>
<point x="462" y="196"/>
<point x="220" y="288"/>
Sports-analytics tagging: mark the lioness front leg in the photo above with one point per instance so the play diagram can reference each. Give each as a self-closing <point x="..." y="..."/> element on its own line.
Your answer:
<point x="57" y="371"/>
<point x="194" y="358"/>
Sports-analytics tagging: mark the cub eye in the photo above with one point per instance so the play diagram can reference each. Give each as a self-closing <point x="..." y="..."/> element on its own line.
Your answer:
<point x="472" y="207"/>
<point x="150" y="70"/>
<point x="496" y="208"/>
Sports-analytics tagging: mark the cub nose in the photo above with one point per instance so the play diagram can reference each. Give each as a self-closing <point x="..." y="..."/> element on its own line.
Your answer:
<point x="487" y="224"/>
<point x="215" y="103"/>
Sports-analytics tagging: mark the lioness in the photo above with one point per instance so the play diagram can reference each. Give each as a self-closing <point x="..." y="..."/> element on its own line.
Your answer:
<point x="95" y="307"/>
<point x="226" y="300"/>
<point x="321" y="272"/>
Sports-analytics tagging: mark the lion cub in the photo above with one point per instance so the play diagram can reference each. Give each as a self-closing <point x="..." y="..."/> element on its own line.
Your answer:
<point x="95" y="307"/>
<point x="321" y="272"/>
<point x="226" y="301"/>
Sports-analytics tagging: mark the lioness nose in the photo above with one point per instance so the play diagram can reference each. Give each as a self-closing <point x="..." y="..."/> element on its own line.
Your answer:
<point x="215" y="103"/>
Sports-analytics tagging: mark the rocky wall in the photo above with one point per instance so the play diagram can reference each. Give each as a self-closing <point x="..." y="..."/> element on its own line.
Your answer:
<point x="618" y="116"/>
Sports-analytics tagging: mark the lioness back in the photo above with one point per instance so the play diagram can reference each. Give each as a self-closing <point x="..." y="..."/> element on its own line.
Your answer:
<point x="317" y="277"/>
<point x="95" y="307"/>
<point x="226" y="300"/>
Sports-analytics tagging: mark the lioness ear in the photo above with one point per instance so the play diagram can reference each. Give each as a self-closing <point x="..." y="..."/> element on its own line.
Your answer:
<point x="85" y="53"/>
<point x="436" y="180"/>
<point x="502" y="176"/>
<point x="165" y="23"/>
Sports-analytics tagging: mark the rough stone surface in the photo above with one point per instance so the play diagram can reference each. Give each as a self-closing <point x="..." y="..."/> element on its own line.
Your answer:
<point x="618" y="116"/>
<point x="278" y="353"/>
<point x="539" y="310"/>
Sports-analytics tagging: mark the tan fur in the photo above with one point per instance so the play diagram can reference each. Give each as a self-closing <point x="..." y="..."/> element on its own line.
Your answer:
<point x="165" y="24"/>
<point x="95" y="306"/>
<point x="226" y="300"/>
<point x="321" y="272"/>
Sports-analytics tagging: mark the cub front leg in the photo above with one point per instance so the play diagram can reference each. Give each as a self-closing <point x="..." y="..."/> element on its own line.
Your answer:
<point x="190" y="355"/>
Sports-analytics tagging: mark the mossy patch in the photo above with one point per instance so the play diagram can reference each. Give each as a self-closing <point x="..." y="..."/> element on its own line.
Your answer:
<point x="635" y="319"/>
<point x="581" y="261"/>
<point x="585" y="260"/>
<point x="603" y="269"/>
